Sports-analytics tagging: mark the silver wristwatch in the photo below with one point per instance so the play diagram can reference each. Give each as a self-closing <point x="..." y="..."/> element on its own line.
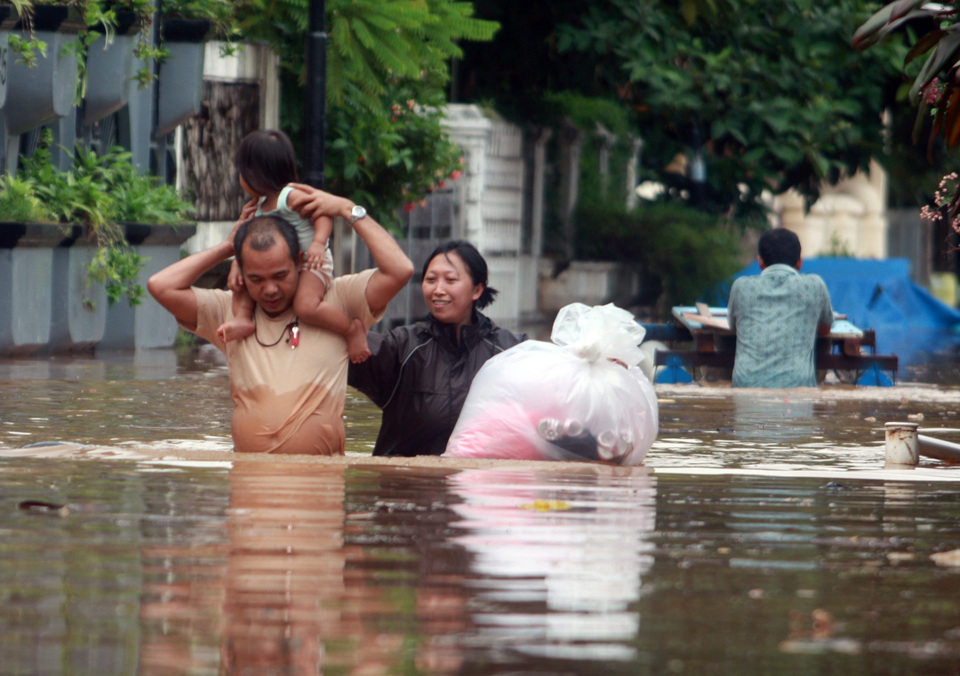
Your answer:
<point x="357" y="213"/>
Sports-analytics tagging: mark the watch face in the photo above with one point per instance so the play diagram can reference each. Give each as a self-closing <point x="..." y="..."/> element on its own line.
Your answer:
<point x="357" y="213"/>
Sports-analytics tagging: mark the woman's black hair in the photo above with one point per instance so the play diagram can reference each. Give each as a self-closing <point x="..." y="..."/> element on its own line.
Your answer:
<point x="266" y="161"/>
<point x="476" y="266"/>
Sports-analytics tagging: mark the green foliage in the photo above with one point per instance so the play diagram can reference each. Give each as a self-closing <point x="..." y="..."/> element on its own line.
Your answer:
<point x="223" y="15"/>
<point x="101" y="192"/>
<point x="372" y="42"/>
<point x="117" y="267"/>
<point x="387" y="64"/>
<point x="932" y="29"/>
<point x="392" y="159"/>
<point x="686" y="249"/>
<point x="102" y="19"/>
<point x="590" y="114"/>
<point x="586" y="111"/>
<point x="19" y="202"/>
<point x="102" y="16"/>
<point x="219" y="12"/>
<point x="27" y="48"/>
<point x="773" y="89"/>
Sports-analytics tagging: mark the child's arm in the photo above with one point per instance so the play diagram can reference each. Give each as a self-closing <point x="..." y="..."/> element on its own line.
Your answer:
<point x="234" y="278"/>
<point x="323" y="228"/>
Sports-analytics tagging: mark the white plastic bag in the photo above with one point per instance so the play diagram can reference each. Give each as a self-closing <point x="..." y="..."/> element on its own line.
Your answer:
<point x="580" y="397"/>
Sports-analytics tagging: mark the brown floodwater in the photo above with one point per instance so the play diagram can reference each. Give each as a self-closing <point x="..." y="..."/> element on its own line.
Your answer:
<point x="763" y="536"/>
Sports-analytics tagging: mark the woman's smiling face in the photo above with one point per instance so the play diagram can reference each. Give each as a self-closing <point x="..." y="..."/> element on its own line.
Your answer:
<point x="448" y="289"/>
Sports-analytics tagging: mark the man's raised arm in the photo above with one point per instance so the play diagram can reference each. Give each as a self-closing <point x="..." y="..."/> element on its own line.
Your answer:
<point x="171" y="286"/>
<point x="394" y="268"/>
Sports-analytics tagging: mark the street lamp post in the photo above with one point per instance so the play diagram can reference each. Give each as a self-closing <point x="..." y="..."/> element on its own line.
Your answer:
<point x="315" y="115"/>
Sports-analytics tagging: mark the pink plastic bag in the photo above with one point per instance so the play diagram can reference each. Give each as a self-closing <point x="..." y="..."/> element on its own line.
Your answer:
<point x="580" y="397"/>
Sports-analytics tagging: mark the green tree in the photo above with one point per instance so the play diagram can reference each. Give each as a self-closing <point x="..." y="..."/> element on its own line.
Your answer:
<point x="771" y="89"/>
<point x="387" y="66"/>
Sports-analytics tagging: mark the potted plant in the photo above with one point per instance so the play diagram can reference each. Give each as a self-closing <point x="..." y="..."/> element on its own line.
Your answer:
<point x="43" y="77"/>
<point x="95" y="253"/>
<point x="185" y="28"/>
<point x="118" y="49"/>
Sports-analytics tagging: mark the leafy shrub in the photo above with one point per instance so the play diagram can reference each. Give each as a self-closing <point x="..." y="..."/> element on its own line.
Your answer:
<point x="685" y="249"/>
<point x="19" y="202"/>
<point x="102" y="192"/>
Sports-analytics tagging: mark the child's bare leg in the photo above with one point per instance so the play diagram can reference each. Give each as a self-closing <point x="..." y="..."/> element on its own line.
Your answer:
<point x="311" y="309"/>
<point x="242" y="324"/>
<point x="357" y="346"/>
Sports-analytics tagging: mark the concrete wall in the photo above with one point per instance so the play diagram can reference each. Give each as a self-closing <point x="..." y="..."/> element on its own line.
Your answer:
<point x="849" y="218"/>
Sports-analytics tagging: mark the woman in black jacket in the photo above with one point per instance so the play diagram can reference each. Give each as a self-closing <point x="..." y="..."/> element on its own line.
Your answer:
<point x="419" y="375"/>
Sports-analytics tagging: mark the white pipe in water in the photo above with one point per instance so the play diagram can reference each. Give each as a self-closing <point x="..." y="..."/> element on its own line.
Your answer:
<point x="902" y="443"/>
<point x="931" y="447"/>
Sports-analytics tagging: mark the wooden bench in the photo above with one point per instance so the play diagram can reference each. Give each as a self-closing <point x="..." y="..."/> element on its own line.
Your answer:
<point x="832" y="354"/>
<point x="825" y="360"/>
<point x="826" y="357"/>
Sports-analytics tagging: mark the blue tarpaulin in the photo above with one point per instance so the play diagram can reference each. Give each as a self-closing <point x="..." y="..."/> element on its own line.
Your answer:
<point x="879" y="294"/>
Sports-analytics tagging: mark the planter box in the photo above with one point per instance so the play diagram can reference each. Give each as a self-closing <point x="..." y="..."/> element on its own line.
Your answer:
<point x="181" y="76"/>
<point x="110" y="69"/>
<point x="148" y="325"/>
<point x="26" y="275"/>
<point x="47" y="307"/>
<point x="591" y="283"/>
<point x="78" y="309"/>
<point x="44" y="92"/>
<point x="8" y="18"/>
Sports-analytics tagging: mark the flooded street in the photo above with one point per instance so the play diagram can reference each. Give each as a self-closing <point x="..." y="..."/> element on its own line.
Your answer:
<point x="763" y="536"/>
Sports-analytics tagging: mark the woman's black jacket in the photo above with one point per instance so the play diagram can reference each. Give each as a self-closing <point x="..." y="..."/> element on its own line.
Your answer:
<point x="419" y="377"/>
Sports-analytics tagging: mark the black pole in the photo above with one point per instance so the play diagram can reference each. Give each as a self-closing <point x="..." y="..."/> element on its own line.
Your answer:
<point x="314" y="114"/>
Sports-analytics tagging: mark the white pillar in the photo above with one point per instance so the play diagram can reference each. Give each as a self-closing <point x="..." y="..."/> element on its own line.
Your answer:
<point x="471" y="130"/>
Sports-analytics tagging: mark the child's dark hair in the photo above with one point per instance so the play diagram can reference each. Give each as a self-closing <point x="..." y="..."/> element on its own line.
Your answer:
<point x="266" y="161"/>
<point x="476" y="266"/>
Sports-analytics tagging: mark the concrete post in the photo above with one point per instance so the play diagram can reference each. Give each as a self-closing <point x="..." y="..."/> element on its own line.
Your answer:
<point x="902" y="444"/>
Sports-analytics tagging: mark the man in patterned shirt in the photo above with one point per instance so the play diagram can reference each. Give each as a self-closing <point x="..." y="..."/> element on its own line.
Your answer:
<point x="777" y="316"/>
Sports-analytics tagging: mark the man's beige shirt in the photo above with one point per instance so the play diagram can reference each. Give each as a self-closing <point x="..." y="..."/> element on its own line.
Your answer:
<point x="287" y="400"/>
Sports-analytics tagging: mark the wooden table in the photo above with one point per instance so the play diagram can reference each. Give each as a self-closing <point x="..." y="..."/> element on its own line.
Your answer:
<point x="714" y="344"/>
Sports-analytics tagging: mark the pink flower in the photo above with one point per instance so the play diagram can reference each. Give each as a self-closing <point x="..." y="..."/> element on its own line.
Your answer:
<point x="945" y="194"/>
<point x="454" y="175"/>
<point x="933" y="92"/>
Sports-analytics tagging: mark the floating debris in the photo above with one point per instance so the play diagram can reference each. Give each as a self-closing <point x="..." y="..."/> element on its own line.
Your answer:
<point x="547" y="505"/>
<point x="40" y="507"/>
<point x="951" y="558"/>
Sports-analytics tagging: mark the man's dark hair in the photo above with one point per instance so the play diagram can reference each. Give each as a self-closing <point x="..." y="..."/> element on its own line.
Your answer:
<point x="266" y="160"/>
<point x="779" y="246"/>
<point x="263" y="231"/>
<point x="476" y="266"/>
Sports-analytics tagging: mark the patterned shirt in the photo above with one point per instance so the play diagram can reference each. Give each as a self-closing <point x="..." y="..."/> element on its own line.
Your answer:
<point x="775" y="316"/>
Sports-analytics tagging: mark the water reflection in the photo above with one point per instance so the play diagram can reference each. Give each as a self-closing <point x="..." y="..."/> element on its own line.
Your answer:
<point x="284" y="586"/>
<point x="317" y="568"/>
<point x="557" y="568"/>
<point x="781" y="416"/>
<point x="273" y="593"/>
